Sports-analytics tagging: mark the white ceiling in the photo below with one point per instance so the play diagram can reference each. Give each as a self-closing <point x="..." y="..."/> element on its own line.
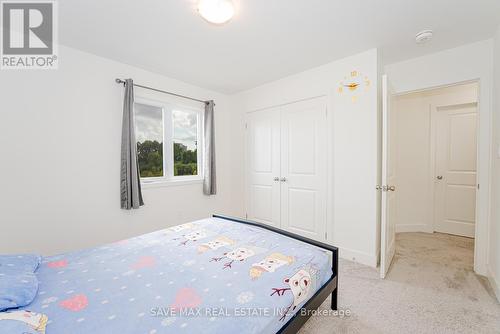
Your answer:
<point x="267" y="39"/>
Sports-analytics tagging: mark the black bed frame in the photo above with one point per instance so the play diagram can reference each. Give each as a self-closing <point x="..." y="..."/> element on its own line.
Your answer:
<point x="330" y="287"/>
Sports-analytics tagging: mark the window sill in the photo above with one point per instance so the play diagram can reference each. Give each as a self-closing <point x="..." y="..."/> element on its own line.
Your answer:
<point x="170" y="183"/>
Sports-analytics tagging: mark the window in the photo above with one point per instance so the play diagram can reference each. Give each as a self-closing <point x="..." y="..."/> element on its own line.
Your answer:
<point x="169" y="141"/>
<point x="185" y="141"/>
<point x="149" y="136"/>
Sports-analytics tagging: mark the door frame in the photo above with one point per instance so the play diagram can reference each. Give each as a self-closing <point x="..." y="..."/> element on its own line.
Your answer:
<point x="480" y="242"/>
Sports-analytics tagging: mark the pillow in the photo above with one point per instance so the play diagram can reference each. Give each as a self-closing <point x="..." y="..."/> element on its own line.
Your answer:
<point x="22" y="322"/>
<point x="20" y="262"/>
<point x="17" y="289"/>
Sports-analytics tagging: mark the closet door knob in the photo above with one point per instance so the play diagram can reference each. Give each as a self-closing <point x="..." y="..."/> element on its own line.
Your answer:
<point x="283" y="179"/>
<point x="440" y="177"/>
<point x="276" y="179"/>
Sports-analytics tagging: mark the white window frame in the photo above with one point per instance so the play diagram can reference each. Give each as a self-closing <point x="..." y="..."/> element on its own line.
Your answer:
<point x="168" y="178"/>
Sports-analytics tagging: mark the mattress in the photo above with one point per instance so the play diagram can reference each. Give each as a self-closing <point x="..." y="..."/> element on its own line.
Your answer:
<point x="207" y="276"/>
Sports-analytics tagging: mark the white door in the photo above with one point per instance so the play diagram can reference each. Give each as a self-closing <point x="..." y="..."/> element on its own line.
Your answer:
<point x="263" y="161"/>
<point x="388" y="210"/>
<point x="304" y="168"/>
<point x="455" y="174"/>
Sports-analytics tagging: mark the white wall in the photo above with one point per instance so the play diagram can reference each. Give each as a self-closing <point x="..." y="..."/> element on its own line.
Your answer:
<point x="410" y="136"/>
<point x="60" y="139"/>
<point x="465" y="63"/>
<point x="60" y="142"/>
<point x="494" y="259"/>
<point x="412" y="140"/>
<point x="352" y="153"/>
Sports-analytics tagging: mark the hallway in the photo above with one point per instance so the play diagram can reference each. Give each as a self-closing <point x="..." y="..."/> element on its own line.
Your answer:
<point x="430" y="288"/>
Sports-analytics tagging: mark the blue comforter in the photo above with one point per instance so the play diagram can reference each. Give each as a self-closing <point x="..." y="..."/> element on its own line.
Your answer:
<point x="208" y="276"/>
<point x="18" y="283"/>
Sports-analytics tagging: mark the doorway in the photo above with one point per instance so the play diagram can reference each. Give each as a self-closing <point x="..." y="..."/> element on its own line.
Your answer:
<point x="432" y="146"/>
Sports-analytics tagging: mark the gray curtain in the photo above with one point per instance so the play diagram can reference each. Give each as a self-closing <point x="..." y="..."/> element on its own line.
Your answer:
<point x="130" y="183"/>
<point x="209" y="181"/>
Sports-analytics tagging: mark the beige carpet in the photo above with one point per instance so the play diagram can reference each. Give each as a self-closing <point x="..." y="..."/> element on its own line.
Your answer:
<point x="431" y="288"/>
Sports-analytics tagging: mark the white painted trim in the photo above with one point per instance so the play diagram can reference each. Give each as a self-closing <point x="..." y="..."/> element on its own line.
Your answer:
<point x="359" y="257"/>
<point x="464" y="229"/>
<point x="168" y="179"/>
<point x="426" y="89"/>
<point x="285" y="103"/>
<point x="402" y="228"/>
<point x="495" y="283"/>
<point x="482" y="228"/>
<point x="432" y="167"/>
<point x="170" y="183"/>
<point x="330" y="171"/>
<point x="246" y="181"/>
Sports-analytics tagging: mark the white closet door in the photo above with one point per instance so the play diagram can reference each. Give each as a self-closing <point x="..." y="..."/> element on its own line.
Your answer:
<point x="304" y="168"/>
<point x="263" y="158"/>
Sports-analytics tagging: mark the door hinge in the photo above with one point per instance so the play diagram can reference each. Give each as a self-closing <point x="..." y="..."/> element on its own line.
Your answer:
<point x="246" y="125"/>
<point x="478" y="186"/>
<point x="246" y="215"/>
<point x="326" y="235"/>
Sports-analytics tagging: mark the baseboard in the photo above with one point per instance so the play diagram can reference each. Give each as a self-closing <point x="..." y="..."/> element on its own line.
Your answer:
<point x="359" y="257"/>
<point x="401" y="228"/>
<point x="457" y="228"/>
<point x="495" y="283"/>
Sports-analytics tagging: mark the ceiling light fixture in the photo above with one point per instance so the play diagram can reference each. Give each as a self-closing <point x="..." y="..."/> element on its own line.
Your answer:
<point x="216" y="11"/>
<point x="423" y="36"/>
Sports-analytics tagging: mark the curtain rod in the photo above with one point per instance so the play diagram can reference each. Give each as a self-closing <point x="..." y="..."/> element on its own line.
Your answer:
<point x="120" y="81"/>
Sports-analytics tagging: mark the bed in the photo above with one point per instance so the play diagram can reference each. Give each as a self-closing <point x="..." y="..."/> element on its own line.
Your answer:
<point x="216" y="275"/>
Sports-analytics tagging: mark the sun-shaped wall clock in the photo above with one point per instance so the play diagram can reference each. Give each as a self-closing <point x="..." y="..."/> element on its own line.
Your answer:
<point x="353" y="85"/>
